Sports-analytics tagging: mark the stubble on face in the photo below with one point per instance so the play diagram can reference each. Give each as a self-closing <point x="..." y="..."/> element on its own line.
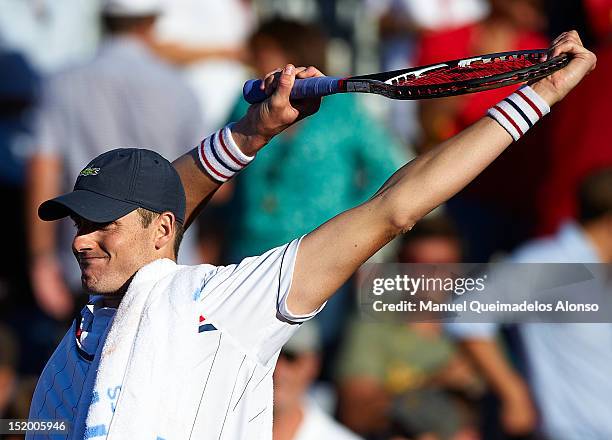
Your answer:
<point x="110" y="254"/>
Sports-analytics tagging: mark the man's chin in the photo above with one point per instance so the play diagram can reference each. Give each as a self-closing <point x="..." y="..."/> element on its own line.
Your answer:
<point x="92" y="286"/>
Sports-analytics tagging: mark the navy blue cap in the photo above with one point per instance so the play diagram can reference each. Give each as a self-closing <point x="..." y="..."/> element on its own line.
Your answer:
<point x="118" y="182"/>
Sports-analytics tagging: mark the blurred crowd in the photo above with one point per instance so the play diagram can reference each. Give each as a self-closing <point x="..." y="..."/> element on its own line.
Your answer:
<point x="81" y="77"/>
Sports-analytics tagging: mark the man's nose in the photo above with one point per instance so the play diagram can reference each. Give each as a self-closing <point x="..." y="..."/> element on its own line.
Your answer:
<point x="83" y="242"/>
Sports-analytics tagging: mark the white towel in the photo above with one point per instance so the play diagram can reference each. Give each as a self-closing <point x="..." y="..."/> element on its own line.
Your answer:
<point x="153" y="378"/>
<point x="141" y="350"/>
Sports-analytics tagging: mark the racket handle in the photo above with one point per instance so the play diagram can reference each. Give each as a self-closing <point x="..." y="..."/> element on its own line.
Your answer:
<point x="302" y="88"/>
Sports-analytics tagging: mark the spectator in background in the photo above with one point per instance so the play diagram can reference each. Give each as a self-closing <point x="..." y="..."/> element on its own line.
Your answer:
<point x="567" y="364"/>
<point x="497" y="212"/>
<point x="16" y="390"/>
<point x="19" y="87"/>
<point x="400" y="25"/>
<point x="51" y="34"/>
<point x="206" y="38"/>
<point x="581" y="140"/>
<point x="510" y="25"/>
<point x="401" y="22"/>
<point x="394" y="377"/>
<point x="313" y="171"/>
<point x="8" y="370"/>
<point x="296" y="415"/>
<point x="572" y="14"/>
<point x="124" y="97"/>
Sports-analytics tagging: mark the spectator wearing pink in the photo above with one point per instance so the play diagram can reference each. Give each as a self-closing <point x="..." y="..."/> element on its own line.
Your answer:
<point x="491" y="214"/>
<point x="580" y="141"/>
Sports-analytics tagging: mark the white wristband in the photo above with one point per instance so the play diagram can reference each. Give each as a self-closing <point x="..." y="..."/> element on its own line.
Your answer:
<point x="519" y="111"/>
<point x="221" y="157"/>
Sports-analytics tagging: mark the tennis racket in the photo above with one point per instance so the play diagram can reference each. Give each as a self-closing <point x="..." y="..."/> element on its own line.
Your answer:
<point x="448" y="78"/>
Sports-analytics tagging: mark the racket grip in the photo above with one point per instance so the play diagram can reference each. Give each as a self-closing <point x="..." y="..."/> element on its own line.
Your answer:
<point x="302" y="88"/>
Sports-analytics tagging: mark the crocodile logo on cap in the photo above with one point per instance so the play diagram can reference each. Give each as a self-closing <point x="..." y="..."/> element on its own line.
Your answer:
<point x="89" y="172"/>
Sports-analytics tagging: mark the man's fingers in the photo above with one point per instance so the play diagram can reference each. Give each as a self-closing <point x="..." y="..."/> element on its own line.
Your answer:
<point x="556" y="40"/>
<point x="568" y="46"/>
<point x="285" y="84"/>
<point x="576" y="36"/>
<point x="562" y="44"/>
<point x="309" y="72"/>
<point x="268" y="79"/>
<point x="284" y="79"/>
<point x="570" y="34"/>
<point x="269" y="84"/>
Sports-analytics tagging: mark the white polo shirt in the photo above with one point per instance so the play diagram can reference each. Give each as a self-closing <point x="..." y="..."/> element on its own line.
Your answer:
<point x="246" y="324"/>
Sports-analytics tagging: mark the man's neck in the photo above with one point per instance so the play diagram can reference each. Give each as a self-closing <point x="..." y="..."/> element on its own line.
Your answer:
<point x="112" y="301"/>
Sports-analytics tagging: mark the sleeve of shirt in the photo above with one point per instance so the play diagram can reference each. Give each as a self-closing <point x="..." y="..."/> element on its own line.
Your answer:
<point x="249" y="301"/>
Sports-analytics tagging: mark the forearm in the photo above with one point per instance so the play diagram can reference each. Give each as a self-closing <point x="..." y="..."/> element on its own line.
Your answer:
<point x="199" y="185"/>
<point x="435" y="176"/>
<point x="440" y="173"/>
<point x="495" y="369"/>
<point x="42" y="183"/>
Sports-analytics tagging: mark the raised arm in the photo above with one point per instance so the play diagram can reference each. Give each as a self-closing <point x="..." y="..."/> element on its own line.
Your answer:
<point x="329" y="255"/>
<point x="261" y="123"/>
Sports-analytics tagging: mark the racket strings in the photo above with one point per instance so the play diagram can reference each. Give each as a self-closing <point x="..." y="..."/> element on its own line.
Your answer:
<point x="474" y="70"/>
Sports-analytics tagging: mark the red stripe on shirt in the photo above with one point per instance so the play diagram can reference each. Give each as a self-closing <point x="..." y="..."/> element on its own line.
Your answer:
<point x="514" y="124"/>
<point x="530" y="102"/>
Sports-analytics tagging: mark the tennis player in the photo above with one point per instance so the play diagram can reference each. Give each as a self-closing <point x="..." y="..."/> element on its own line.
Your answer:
<point x="175" y="352"/>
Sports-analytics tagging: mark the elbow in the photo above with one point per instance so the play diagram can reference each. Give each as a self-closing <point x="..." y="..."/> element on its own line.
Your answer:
<point x="400" y="218"/>
<point x="401" y="222"/>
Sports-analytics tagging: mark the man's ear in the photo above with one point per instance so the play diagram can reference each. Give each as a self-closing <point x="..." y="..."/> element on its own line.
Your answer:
<point x="165" y="226"/>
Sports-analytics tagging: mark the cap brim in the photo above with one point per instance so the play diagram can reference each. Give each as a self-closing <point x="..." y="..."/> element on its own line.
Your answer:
<point x="89" y="205"/>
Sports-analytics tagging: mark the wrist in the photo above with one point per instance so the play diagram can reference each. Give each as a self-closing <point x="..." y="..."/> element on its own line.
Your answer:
<point x="518" y="112"/>
<point x="247" y="138"/>
<point x="514" y="390"/>
<point x="545" y="89"/>
<point x="222" y="157"/>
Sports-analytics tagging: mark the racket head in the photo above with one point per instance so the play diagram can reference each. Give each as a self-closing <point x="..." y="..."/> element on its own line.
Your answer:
<point x="459" y="77"/>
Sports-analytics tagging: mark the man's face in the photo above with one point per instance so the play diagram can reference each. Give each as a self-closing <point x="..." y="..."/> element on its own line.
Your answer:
<point x="109" y="254"/>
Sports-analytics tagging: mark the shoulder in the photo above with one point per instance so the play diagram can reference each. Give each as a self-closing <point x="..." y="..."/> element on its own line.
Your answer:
<point x="255" y="268"/>
<point x="200" y="271"/>
<point x="63" y="80"/>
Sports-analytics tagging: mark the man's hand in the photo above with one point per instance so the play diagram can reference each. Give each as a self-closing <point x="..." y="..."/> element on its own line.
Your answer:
<point x="49" y="288"/>
<point x="265" y="120"/>
<point x="555" y="87"/>
<point x="518" y="414"/>
<point x="262" y="122"/>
